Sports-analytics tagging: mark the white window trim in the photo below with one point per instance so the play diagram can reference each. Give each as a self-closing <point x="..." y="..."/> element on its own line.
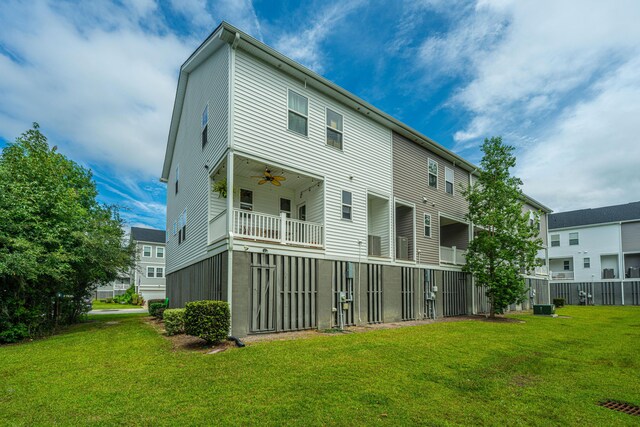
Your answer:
<point x="299" y="114"/>
<point x="203" y="125"/>
<point x="551" y="240"/>
<point x="154" y="272"/>
<point x="429" y="160"/>
<point x="577" y="238"/>
<point x="280" y="199"/>
<point x="341" y="132"/>
<point x="446" y="169"/>
<point x="240" y="202"/>
<point x="585" y="261"/>
<point x="144" y="250"/>
<point x="424" y="227"/>
<point x="159" y="248"/>
<point x="345" y="204"/>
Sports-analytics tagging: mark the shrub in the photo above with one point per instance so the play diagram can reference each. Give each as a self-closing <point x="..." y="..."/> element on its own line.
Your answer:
<point x="154" y="301"/>
<point x="558" y="302"/>
<point x="174" y="321"/>
<point x="209" y="320"/>
<point x="156" y="309"/>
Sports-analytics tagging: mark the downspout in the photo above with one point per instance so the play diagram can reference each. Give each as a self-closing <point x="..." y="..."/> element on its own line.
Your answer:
<point x="230" y="136"/>
<point x="359" y="275"/>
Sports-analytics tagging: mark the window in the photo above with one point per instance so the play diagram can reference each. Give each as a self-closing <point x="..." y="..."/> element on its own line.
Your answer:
<point x="159" y="252"/>
<point x="448" y="180"/>
<point x="346" y="204"/>
<point x="159" y="271"/>
<point x="177" y="177"/>
<point x="566" y="265"/>
<point x="146" y="251"/>
<point x="587" y="262"/>
<point x="285" y="207"/>
<point x="334" y="129"/>
<point x="433" y="173"/>
<point x="573" y="239"/>
<point x="205" y="125"/>
<point x="246" y="200"/>
<point x="175" y="227"/>
<point x="182" y="227"/>
<point x="427" y="225"/>
<point x="151" y="272"/>
<point x="298" y="111"/>
<point x="555" y="240"/>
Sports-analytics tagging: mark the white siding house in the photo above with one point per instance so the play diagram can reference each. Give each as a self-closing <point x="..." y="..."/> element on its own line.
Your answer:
<point x="280" y="197"/>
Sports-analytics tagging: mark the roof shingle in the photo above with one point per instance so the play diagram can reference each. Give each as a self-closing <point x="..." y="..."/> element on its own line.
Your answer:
<point x="628" y="212"/>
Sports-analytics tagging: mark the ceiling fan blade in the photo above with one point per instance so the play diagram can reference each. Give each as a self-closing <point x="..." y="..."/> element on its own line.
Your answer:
<point x="262" y="181"/>
<point x="267" y="173"/>
<point x="279" y="178"/>
<point x="276" y="183"/>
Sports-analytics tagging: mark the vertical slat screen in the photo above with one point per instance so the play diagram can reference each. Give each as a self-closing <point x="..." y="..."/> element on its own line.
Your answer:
<point x="374" y="293"/>
<point x="408" y="293"/>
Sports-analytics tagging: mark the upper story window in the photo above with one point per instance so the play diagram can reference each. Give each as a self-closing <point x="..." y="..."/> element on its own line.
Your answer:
<point x="151" y="272"/>
<point x="177" y="177"/>
<point x="433" y="173"/>
<point x="182" y="227"/>
<point x="246" y="199"/>
<point x="427" y="225"/>
<point x="566" y="265"/>
<point x="555" y="240"/>
<point x="285" y="207"/>
<point x="334" y="129"/>
<point x="159" y="271"/>
<point x="347" y="206"/>
<point x="298" y="113"/>
<point x="205" y="125"/>
<point x="448" y="180"/>
<point x="146" y="251"/>
<point x="159" y="252"/>
<point x="573" y="239"/>
<point x="586" y="262"/>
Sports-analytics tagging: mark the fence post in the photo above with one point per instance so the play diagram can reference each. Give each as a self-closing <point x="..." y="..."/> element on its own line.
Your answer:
<point x="283" y="228"/>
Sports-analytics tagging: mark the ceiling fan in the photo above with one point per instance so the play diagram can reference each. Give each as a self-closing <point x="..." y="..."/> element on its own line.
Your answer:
<point x="269" y="177"/>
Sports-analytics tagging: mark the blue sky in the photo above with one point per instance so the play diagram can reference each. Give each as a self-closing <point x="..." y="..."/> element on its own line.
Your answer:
<point x="558" y="80"/>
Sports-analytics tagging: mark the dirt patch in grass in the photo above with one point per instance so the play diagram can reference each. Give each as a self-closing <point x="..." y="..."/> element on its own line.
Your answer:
<point x="500" y="319"/>
<point x="187" y="342"/>
<point x="523" y="380"/>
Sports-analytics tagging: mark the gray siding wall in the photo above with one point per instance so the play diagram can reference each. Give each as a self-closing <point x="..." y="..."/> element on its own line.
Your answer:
<point x="404" y="226"/>
<point x="631" y="237"/>
<point x="207" y="84"/>
<point x="411" y="184"/>
<point x="204" y="280"/>
<point x="543" y="222"/>
<point x="140" y="275"/>
<point x="455" y="235"/>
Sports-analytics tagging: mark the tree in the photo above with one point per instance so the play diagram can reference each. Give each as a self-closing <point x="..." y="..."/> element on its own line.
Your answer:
<point x="56" y="241"/>
<point x="507" y="242"/>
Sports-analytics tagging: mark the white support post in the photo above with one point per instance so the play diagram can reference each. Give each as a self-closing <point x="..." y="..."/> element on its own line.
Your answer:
<point x="455" y="261"/>
<point x="283" y="228"/>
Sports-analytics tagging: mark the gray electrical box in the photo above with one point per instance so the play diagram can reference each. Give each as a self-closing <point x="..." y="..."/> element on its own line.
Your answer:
<point x="349" y="271"/>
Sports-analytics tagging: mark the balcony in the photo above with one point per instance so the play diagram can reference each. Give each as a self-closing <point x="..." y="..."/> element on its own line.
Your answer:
<point x="276" y="229"/>
<point x="562" y="275"/>
<point x="453" y="256"/>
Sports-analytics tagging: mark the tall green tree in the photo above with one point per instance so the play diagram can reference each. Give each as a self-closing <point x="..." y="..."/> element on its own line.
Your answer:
<point x="506" y="243"/>
<point x="56" y="241"/>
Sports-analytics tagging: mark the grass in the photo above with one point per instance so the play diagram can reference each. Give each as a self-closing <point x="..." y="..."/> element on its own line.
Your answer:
<point x="97" y="305"/>
<point x="542" y="372"/>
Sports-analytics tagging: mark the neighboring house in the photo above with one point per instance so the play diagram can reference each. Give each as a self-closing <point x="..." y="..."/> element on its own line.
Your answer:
<point x="335" y="212"/>
<point x="149" y="273"/>
<point x="117" y="287"/>
<point x="601" y="246"/>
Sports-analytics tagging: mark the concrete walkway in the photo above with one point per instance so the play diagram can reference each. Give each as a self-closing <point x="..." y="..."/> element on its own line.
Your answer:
<point x="121" y="311"/>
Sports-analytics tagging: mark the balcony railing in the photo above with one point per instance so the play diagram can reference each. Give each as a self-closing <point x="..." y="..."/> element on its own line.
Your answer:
<point x="541" y="270"/>
<point x="562" y="275"/>
<point x="276" y="229"/>
<point x="452" y="255"/>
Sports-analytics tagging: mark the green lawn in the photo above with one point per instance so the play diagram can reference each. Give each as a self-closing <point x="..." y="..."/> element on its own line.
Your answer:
<point x="542" y="372"/>
<point x="97" y="305"/>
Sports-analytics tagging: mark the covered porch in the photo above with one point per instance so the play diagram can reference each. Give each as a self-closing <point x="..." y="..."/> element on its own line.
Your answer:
<point x="454" y="241"/>
<point x="267" y="203"/>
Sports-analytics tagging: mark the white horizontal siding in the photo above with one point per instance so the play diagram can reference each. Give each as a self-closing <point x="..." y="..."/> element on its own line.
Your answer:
<point x="260" y="128"/>
<point x="206" y="84"/>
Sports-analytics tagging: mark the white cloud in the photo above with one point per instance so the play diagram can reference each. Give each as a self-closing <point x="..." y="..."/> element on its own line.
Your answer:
<point x="305" y="45"/>
<point x="557" y="80"/>
<point x="241" y="14"/>
<point x="195" y="11"/>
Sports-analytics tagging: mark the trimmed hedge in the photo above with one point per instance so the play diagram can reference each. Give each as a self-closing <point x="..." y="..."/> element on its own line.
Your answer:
<point x="154" y="301"/>
<point x="157" y="309"/>
<point x="174" y="321"/>
<point x="558" y="302"/>
<point x="209" y="320"/>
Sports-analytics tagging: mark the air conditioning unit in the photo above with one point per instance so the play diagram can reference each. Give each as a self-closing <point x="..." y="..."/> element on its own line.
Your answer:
<point x="608" y="273"/>
<point x="374" y="246"/>
<point x="402" y="247"/>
